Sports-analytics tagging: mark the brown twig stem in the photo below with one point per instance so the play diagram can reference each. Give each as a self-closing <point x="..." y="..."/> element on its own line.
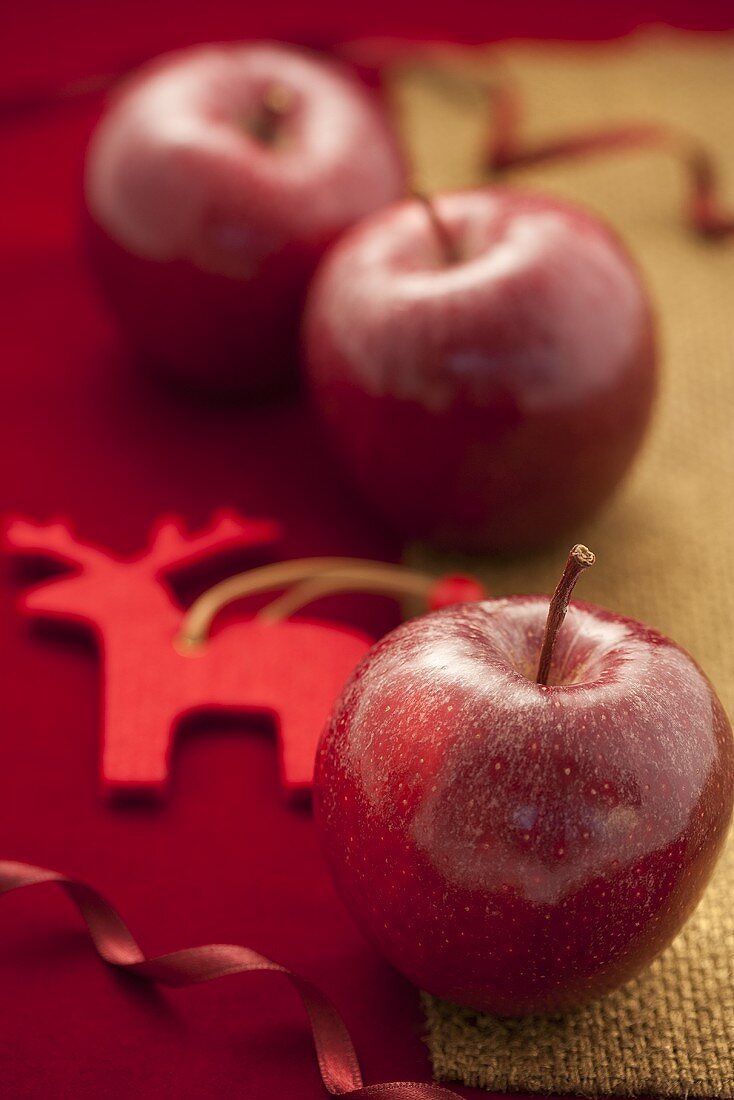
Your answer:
<point x="579" y="558"/>
<point x="446" y="243"/>
<point x="276" y="102"/>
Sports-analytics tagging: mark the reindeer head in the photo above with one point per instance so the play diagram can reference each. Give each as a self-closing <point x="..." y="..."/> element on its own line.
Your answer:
<point x="103" y="586"/>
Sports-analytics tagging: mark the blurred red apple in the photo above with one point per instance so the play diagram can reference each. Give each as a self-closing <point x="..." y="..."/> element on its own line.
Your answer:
<point x="485" y="367"/>
<point x="214" y="182"/>
<point x="514" y="845"/>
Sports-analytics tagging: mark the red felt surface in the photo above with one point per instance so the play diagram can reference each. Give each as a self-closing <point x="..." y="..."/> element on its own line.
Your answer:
<point x="82" y="435"/>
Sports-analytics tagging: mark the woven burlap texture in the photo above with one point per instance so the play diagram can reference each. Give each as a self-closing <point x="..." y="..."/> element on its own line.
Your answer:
<point x="665" y="545"/>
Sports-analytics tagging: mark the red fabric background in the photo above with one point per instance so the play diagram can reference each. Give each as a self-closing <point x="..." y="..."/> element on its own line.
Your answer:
<point x="83" y="436"/>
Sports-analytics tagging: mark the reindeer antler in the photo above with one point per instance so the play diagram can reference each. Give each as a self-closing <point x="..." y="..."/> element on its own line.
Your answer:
<point x="53" y="540"/>
<point x="170" y="547"/>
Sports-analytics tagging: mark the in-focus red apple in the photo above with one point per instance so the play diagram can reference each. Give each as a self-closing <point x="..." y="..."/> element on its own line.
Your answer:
<point x="485" y="365"/>
<point x="514" y="845"/>
<point x="214" y="182"/>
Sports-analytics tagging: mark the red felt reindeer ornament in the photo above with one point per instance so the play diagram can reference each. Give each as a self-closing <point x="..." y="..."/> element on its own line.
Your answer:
<point x="160" y="665"/>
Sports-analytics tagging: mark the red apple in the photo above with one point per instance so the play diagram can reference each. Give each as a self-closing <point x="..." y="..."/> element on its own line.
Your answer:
<point x="470" y="357"/>
<point x="514" y="845"/>
<point x="214" y="182"/>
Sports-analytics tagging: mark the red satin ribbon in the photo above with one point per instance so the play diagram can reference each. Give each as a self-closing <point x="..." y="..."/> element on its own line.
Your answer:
<point x="506" y="150"/>
<point x="336" y="1056"/>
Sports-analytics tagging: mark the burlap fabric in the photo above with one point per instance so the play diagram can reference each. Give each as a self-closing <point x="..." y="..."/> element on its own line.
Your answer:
<point x="665" y="545"/>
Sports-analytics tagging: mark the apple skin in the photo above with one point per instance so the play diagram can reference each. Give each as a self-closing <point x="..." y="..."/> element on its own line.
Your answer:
<point x="462" y="396"/>
<point x="515" y="848"/>
<point x="202" y="236"/>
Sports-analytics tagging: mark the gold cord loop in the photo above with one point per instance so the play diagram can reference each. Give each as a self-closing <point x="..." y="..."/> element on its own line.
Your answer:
<point x="311" y="579"/>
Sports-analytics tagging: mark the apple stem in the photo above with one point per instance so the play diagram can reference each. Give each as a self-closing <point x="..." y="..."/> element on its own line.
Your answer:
<point x="579" y="558"/>
<point x="276" y="102"/>
<point x="447" y="246"/>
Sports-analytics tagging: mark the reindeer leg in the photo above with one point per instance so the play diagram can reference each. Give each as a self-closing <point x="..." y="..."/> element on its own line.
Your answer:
<point x="138" y="723"/>
<point x="298" y="731"/>
<point x="306" y="676"/>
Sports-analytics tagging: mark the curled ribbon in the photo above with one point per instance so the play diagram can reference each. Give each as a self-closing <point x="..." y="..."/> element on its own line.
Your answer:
<point x="703" y="212"/>
<point x="336" y="1056"/>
